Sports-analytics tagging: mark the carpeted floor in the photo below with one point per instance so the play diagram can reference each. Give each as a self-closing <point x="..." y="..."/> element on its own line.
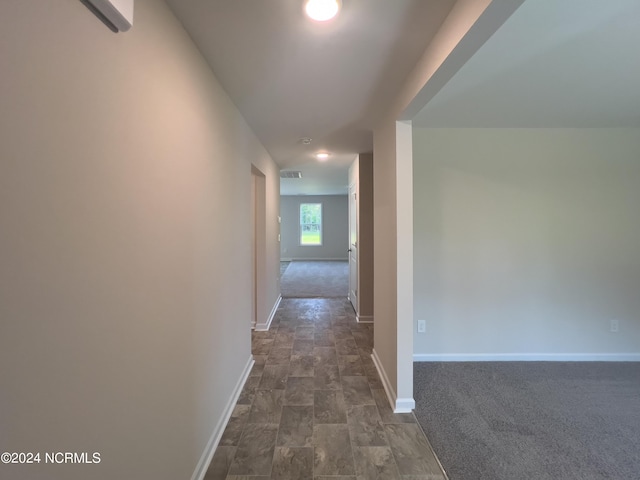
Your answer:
<point x="313" y="279"/>
<point x="283" y="267"/>
<point x="532" y="420"/>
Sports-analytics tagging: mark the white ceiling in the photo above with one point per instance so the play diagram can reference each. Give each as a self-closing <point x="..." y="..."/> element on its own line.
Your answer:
<point x="554" y="63"/>
<point x="292" y="78"/>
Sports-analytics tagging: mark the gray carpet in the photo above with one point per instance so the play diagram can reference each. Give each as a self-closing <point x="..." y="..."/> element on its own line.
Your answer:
<point x="283" y="267"/>
<point x="325" y="279"/>
<point x="532" y="420"/>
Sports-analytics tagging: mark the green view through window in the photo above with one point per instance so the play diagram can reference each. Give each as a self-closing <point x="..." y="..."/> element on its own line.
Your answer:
<point x="310" y="224"/>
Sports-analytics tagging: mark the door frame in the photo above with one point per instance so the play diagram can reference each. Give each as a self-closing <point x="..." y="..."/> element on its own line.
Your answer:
<point x="258" y="247"/>
<point x="353" y="247"/>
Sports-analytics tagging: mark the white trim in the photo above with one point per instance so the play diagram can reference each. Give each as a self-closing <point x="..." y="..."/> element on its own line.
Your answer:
<point x="526" y="357"/>
<point x="398" y="405"/>
<point x="286" y="259"/>
<point x="214" y="440"/>
<point x="388" y="388"/>
<point x="404" y="405"/>
<point x="304" y="259"/>
<point x="263" y="327"/>
<point x="364" y="318"/>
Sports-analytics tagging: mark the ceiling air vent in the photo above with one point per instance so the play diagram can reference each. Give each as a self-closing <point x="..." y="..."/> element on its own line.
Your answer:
<point x="290" y="174"/>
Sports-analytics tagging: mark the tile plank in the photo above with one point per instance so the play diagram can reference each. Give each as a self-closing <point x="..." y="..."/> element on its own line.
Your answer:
<point x="254" y="454"/>
<point x="332" y="450"/>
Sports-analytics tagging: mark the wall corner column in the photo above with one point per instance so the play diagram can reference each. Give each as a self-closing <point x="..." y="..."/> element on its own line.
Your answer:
<point x="404" y="283"/>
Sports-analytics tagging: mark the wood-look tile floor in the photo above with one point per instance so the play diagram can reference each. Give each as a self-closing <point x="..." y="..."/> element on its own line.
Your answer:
<point x="314" y="407"/>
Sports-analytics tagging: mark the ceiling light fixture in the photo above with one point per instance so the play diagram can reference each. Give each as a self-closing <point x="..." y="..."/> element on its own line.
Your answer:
<point x="322" y="156"/>
<point x="322" y="10"/>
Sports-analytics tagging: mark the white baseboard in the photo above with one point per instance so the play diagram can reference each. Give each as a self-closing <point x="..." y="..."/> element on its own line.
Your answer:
<point x="398" y="405"/>
<point x="214" y="440"/>
<point x="526" y="357"/>
<point x="263" y="327"/>
<point x="293" y="259"/>
<point x="404" y="405"/>
<point x="364" y="318"/>
<point x="388" y="388"/>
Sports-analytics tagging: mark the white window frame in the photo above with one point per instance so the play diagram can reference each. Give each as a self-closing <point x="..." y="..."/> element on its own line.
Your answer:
<point x="300" y="224"/>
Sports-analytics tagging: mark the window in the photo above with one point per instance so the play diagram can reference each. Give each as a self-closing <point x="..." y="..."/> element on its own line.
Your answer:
<point x="310" y="224"/>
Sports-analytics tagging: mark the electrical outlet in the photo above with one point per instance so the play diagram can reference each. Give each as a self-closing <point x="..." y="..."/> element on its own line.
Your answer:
<point x="422" y="326"/>
<point x="614" y="325"/>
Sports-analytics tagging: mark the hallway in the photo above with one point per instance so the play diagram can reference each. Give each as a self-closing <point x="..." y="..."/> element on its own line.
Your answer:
<point x="314" y="406"/>
<point x="315" y="279"/>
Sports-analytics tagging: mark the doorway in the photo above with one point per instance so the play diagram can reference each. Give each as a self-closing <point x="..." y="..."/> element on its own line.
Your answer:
<point x="353" y="247"/>
<point x="258" y="245"/>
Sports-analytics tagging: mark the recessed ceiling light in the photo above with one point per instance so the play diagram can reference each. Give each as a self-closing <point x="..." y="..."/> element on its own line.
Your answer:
<point x="322" y="156"/>
<point x="322" y="10"/>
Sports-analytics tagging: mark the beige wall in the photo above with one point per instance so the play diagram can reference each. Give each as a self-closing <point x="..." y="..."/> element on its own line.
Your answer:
<point x="385" y="255"/>
<point x="266" y="178"/>
<point x="361" y="176"/>
<point x="125" y="244"/>
<point x="365" y="227"/>
<point x="527" y="243"/>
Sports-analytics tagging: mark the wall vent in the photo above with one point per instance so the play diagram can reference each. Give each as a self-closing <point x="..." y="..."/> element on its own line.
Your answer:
<point x="290" y="174"/>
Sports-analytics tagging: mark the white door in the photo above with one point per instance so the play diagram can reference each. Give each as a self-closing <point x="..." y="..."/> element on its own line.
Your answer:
<point x="353" y="248"/>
